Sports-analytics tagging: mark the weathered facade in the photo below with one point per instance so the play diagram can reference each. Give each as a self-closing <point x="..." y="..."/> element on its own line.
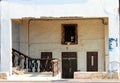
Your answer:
<point x="90" y="38"/>
<point x="45" y="35"/>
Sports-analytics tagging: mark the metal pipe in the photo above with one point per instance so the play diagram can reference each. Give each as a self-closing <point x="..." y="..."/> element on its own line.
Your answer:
<point x="29" y="36"/>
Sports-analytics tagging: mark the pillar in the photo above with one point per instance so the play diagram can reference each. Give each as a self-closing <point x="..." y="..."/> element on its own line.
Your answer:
<point x="110" y="8"/>
<point x="113" y="14"/>
<point x="5" y="39"/>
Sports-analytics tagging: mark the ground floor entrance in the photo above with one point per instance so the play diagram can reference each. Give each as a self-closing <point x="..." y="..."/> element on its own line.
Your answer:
<point x="46" y="64"/>
<point x="92" y="61"/>
<point x="69" y="64"/>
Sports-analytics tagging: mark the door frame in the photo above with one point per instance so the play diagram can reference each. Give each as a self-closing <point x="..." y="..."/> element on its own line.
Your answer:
<point x="92" y="62"/>
<point x="68" y="58"/>
<point x="46" y="65"/>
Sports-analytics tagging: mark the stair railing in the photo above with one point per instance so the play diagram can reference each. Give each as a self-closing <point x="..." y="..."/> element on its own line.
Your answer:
<point x="23" y="61"/>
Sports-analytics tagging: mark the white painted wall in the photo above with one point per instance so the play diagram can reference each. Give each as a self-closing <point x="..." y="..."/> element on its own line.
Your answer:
<point x="45" y="36"/>
<point x="6" y="40"/>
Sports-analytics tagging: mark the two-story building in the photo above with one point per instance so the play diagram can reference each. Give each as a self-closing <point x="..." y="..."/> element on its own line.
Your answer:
<point x="84" y="36"/>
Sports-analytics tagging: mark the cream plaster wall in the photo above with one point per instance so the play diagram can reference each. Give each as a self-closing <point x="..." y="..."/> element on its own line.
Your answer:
<point x="45" y="36"/>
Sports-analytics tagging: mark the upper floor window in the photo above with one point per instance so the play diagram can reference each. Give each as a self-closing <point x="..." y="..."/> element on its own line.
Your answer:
<point x="69" y="34"/>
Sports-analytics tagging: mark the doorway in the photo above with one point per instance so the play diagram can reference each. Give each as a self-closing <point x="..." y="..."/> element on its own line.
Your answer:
<point x="92" y="61"/>
<point x="69" y="64"/>
<point x="46" y="65"/>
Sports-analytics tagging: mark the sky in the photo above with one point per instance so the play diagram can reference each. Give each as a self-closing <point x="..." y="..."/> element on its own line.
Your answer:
<point x="48" y="1"/>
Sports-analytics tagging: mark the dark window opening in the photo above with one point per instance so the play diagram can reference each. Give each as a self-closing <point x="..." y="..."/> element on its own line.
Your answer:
<point x="69" y="33"/>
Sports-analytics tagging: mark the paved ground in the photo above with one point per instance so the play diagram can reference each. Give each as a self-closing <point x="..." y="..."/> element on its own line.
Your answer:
<point x="60" y="81"/>
<point x="42" y="78"/>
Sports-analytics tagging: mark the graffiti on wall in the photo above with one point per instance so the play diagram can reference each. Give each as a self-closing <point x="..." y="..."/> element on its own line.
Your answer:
<point x="113" y="42"/>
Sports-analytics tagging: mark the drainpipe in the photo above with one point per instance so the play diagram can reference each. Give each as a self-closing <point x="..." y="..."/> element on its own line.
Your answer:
<point x="29" y="36"/>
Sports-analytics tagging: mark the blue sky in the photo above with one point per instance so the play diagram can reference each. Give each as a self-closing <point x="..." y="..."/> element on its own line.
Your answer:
<point x="48" y="1"/>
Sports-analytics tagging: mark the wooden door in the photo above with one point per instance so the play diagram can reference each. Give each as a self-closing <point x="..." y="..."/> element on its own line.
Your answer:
<point x="69" y="64"/>
<point x="46" y="65"/>
<point x="92" y="61"/>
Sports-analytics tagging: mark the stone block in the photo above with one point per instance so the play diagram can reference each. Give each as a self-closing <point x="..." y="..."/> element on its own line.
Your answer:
<point x="94" y="75"/>
<point x="3" y="75"/>
<point x="15" y="71"/>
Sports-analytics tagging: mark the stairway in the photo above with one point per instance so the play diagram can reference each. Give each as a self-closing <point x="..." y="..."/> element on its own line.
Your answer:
<point x="23" y="64"/>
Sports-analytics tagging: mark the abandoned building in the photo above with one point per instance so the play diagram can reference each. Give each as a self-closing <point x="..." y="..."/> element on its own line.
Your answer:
<point x="63" y="39"/>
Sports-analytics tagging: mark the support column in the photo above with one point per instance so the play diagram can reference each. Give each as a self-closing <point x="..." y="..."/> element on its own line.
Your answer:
<point x="5" y="39"/>
<point x="114" y="38"/>
<point x="106" y="44"/>
<point x="110" y="8"/>
<point x="0" y="34"/>
<point x="114" y="55"/>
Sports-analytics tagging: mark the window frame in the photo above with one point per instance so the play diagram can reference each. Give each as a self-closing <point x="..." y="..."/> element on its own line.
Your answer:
<point x="63" y="34"/>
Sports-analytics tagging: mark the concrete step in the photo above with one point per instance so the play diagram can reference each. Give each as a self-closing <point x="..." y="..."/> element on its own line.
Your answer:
<point x="40" y="76"/>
